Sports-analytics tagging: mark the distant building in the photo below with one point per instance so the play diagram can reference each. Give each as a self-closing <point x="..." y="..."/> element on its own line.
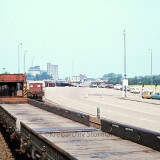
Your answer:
<point x="75" y="78"/>
<point x="34" y="70"/>
<point x="52" y="70"/>
<point x="82" y="77"/>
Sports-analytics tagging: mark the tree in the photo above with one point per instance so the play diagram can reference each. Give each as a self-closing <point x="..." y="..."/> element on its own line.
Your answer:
<point x="144" y="79"/>
<point x="41" y="76"/>
<point x="112" y="78"/>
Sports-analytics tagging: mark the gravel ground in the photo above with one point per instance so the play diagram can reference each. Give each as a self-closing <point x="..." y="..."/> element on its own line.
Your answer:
<point x="5" y="152"/>
<point x="8" y="148"/>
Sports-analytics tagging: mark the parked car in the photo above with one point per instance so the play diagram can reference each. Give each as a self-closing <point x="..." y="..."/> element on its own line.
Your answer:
<point x="147" y="94"/>
<point x="109" y="86"/>
<point x="135" y="90"/>
<point x="93" y="85"/>
<point x="118" y="86"/>
<point x="155" y="96"/>
<point x="101" y="85"/>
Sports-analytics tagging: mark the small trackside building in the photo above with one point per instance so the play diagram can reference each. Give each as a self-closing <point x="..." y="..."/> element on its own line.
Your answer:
<point x="13" y="88"/>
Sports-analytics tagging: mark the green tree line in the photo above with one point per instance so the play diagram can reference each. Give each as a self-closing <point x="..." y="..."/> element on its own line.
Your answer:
<point x="144" y="79"/>
<point x="113" y="78"/>
<point x="42" y="76"/>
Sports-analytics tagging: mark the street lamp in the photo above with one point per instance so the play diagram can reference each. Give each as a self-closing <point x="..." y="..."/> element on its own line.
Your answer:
<point x="25" y="61"/>
<point x="4" y="70"/>
<point x="151" y="66"/>
<point x="19" y="58"/>
<point x="125" y="81"/>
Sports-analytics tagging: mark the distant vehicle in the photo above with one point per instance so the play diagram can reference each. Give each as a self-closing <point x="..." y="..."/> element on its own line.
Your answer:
<point x="128" y="88"/>
<point x="83" y="85"/>
<point x="109" y="86"/>
<point x="35" y="91"/>
<point x="74" y="85"/>
<point x="155" y="96"/>
<point x="93" y="85"/>
<point x="102" y="85"/>
<point x="135" y="90"/>
<point x="147" y="94"/>
<point x="118" y="86"/>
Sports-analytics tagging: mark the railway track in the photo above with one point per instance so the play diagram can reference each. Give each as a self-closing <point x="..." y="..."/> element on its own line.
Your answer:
<point x="5" y="151"/>
<point x="48" y="132"/>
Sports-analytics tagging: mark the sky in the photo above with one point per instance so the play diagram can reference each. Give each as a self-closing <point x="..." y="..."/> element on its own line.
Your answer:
<point x="81" y="36"/>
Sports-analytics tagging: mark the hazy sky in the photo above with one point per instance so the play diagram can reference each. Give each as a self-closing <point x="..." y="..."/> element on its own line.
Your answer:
<point x="88" y="33"/>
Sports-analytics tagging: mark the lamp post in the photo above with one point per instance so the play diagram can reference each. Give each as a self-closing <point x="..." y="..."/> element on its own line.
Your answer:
<point x="19" y="58"/>
<point x="151" y="66"/>
<point x="3" y="70"/>
<point x="25" y="61"/>
<point x="125" y="75"/>
<point x="124" y="33"/>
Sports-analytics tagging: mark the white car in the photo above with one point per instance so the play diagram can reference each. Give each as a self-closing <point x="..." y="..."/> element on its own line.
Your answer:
<point x="135" y="90"/>
<point x="118" y="86"/>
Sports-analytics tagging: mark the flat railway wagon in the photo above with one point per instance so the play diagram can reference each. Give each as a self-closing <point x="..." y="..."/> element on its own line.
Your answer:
<point x="49" y="132"/>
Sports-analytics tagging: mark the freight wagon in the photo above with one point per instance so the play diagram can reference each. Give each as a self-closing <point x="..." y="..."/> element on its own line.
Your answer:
<point x="35" y="91"/>
<point x="50" y="84"/>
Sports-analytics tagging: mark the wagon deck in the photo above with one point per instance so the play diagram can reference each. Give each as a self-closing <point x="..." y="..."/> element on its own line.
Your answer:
<point x="72" y="140"/>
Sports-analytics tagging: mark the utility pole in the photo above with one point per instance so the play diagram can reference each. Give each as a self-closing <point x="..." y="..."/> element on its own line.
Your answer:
<point x="19" y="58"/>
<point x="125" y="75"/>
<point x="151" y="67"/>
<point x="25" y="61"/>
<point x="124" y="33"/>
<point x="4" y="70"/>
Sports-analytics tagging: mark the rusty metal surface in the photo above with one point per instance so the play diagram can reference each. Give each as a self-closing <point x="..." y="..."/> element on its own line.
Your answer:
<point x="37" y="118"/>
<point x="64" y="130"/>
<point x="8" y="120"/>
<point x="73" y="115"/>
<point x="73" y="139"/>
<point x="5" y="112"/>
<point x="12" y="100"/>
<point x="38" y="141"/>
<point x="12" y="78"/>
<point x="98" y="145"/>
<point x="141" y="136"/>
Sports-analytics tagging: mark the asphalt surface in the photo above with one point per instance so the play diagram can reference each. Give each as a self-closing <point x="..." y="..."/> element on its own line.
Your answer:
<point x="133" y="110"/>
